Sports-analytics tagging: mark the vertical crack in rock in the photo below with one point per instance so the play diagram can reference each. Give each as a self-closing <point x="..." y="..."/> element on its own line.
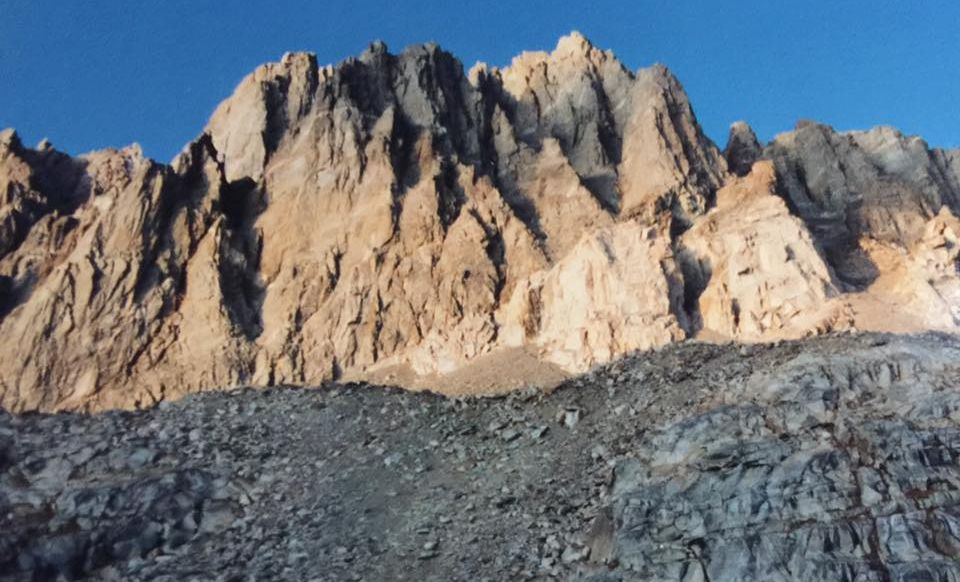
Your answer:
<point x="239" y="254"/>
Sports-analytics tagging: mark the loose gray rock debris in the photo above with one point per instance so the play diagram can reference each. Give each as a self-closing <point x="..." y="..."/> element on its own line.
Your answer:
<point x="827" y="459"/>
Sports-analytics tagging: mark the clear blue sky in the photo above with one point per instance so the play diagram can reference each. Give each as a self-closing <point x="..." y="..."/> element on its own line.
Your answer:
<point x="96" y="73"/>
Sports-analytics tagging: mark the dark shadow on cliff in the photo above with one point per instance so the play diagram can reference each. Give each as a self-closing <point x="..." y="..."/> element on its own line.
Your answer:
<point x="14" y="292"/>
<point x="697" y="273"/>
<point x="241" y="284"/>
<point x="834" y="239"/>
<point x="58" y="186"/>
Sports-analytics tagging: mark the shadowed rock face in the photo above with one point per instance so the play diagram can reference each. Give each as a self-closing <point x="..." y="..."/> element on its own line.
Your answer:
<point x="742" y="149"/>
<point x="397" y="217"/>
<point x="877" y="184"/>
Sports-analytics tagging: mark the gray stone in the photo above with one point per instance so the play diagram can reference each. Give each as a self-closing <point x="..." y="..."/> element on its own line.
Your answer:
<point x="833" y="458"/>
<point x="742" y="149"/>
<point x="801" y="485"/>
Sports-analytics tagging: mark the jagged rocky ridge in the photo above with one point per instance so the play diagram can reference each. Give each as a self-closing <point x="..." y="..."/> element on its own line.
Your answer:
<point x="397" y="218"/>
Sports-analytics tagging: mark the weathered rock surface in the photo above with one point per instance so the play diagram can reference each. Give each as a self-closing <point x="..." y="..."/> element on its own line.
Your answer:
<point x="625" y="274"/>
<point x="753" y="268"/>
<point x="838" y="468"/>
<point x="916" y="284"/>
<point x="834" y="458"/>
<point x="743" y="148"/>
<point x="113" y="261"/>
<point x="394" y="216"/>
<point x="877" y="184"/>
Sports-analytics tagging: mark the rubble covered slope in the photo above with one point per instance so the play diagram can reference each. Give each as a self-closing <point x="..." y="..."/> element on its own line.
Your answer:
<point x="833" y="458"/>
<point x="399" y="219"/>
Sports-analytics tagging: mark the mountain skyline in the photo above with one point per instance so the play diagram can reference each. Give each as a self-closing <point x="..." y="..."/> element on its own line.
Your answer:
<point x="109" y="76"/>
<point x="407" y="317"/>
<point x="403" y="218"/>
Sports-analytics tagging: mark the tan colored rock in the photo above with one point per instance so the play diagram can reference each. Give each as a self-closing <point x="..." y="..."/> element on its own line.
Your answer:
<point x="618" y="290"/>
<point x="561" y="200"/>
<point x="918" y="288"/>
<point x="667" y="161"/>
<point x="247" y="127"/>
<point x="581" y="97"/>
<point x="761" y="276"/>
<point x="394" y="218"/>
<point x="102" y="293"/>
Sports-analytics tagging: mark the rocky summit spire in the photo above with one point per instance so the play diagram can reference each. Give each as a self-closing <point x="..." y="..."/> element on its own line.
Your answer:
<point x="742" y="149"/>
<point x="573" y="45"/>
<point x="396" y="218"/>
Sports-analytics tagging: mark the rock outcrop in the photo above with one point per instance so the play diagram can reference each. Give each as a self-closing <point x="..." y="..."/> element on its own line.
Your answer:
<point x="832" y="467"/>
<point x="753" y="269"/>
<point x="917" y="287"/>
<point x="121" y="270"/>
<point x="397" y="214"/>
<point x="616" y="292"/>
<point x="743" y="148"/>
<point x="877" y="184"/>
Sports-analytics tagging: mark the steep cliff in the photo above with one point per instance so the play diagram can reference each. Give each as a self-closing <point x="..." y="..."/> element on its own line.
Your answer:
<point x="395" y="214"/>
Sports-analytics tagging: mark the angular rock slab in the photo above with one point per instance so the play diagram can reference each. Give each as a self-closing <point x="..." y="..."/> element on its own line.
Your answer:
<point x="842" y="470"/>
